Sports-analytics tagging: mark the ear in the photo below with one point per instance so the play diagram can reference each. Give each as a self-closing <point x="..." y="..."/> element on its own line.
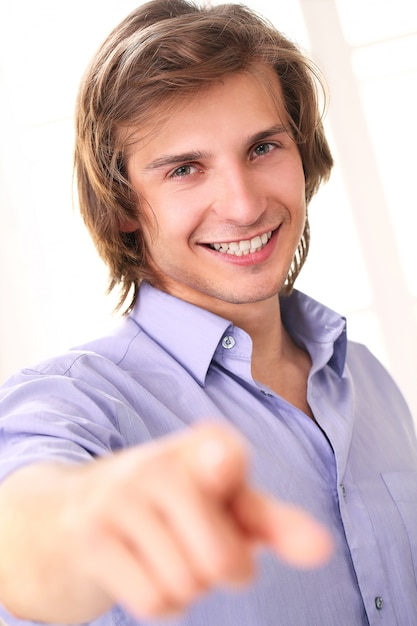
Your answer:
<point x="128" y="226"/>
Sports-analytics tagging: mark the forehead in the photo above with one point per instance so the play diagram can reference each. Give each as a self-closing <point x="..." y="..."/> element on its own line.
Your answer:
<point x="254" y="89"/>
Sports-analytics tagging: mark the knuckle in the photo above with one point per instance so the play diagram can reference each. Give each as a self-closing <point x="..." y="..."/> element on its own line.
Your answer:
<point x="230" y="564"/>
<point x="227" y="563"/>
<point x="188" y="589"/>
<point x="154" y="604"/>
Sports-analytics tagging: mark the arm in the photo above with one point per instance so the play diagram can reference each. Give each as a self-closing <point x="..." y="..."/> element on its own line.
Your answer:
<point x="151" y="528"/>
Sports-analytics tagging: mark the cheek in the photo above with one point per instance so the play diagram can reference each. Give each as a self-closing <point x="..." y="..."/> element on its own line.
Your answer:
<point x="296" y="187"/>
<point x="175" y="227"/>
<point x="176" y="218"/>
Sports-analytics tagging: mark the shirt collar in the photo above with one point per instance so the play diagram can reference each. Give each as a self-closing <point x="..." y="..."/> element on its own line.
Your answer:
<point x="320" y="330"/>
<point x="187" y="332"/>
<point x="191" y="334"/>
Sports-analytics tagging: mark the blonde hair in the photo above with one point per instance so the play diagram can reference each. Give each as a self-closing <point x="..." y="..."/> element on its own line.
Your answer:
<point x="162" y="51"/>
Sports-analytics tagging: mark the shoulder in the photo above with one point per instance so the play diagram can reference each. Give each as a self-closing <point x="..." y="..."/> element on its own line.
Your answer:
<point x="365" y="366"/>
<point x="75" y="404"/>
<point x="373" y="384"/>
<point x="111" y="351"/>
<point x="91" y="373"/>
<point x="367" y="371"/>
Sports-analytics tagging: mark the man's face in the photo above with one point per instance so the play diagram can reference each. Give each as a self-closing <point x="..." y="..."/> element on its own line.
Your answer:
<point x="223" y="185"/>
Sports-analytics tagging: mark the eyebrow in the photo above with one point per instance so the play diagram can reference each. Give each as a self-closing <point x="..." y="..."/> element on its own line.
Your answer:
<point x="172" y="159"/>
<point x="279" y="129"/>
<point x="168" y="160"/>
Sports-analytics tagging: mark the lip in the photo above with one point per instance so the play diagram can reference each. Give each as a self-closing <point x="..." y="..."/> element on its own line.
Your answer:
<point x="252" y="258"/>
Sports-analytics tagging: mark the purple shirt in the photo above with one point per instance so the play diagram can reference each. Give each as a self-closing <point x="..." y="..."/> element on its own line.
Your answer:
<point x="170" y="364"/>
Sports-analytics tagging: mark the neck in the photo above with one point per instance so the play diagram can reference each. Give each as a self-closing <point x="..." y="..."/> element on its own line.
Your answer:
<point x="277" y="361"/>
<point x="262" y="321"/>
<point x="274" y="353"/>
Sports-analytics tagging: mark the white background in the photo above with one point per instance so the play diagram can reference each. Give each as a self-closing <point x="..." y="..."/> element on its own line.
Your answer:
<point x="363" y="258"/>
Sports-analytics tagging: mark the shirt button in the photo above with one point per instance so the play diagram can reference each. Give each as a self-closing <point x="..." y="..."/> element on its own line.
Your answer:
<point x="228" y="342"/>
<point x="379" y="603"/>
<point x="343" y="490"/>
<point x="266" y="393"/>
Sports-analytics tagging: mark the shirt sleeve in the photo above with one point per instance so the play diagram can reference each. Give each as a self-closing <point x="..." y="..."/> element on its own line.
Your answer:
<point x="65" y="411"/>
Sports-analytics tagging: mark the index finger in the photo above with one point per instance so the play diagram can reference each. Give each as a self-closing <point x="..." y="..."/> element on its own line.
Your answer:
<point x="295" y="536"/>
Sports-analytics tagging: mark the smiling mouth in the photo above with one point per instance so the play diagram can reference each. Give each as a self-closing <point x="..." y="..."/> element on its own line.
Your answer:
<point x="243" y="247"/>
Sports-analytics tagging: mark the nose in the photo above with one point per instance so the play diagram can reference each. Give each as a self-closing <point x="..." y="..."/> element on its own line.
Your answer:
<point x="239" y="196"/>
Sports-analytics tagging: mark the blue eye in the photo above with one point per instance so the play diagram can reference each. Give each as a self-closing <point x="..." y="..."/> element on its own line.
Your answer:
<point x="263" y="148"/>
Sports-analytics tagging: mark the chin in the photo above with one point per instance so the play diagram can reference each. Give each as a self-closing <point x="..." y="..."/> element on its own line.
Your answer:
<point x="246" y="296"/>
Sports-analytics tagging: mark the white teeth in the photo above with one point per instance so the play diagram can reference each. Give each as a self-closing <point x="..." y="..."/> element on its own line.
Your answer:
<point x="256" y="242"/>
<point x="246" y="246"/>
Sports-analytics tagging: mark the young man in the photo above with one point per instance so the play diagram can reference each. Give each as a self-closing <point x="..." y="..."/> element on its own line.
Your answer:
<point x="135" y="469"/>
